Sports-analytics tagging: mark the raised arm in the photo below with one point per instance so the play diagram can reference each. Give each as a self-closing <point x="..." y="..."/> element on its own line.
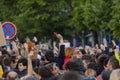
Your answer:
<point x="30" y="68"/>
<point x="61" y="53"/>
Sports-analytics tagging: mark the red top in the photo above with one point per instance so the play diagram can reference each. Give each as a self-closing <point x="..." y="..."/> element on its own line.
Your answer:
<point x="65" y="61"/>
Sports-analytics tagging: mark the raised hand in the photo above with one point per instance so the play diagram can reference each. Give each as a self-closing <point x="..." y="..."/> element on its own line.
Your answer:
<point x="105" y="42"/>
<point x="31" y="54"/>
<point x="114" y="43"/>
<point x="59" y="36"/>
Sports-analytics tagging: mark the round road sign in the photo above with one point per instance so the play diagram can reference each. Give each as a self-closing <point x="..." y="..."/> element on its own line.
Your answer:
<point x="9" y="30"/>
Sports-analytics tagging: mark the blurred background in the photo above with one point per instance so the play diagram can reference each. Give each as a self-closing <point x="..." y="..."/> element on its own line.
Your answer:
<point x="79" y="21"/>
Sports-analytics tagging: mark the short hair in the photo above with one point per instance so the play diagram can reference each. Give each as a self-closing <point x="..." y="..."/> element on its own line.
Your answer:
<point x="106" y="74"/>
<point x="70" y="75"/>
<point x="49" y="55"/>
<point x="102" y="58"/>
<point x="115" y="75"/>
<point x="90" y="72"/>
<point x="97" y="55"/>
<point x="92" y="65"/>
<point x="7" y="61"/>
<point x="23" y="61"/>
<point x="87" y="58"/>
<point x="5" y="52"/>
<point x="72" y="66"/>
<point x="45" y="72"/>
<point x="114" y="62"/>
<point x="82" y="51"/>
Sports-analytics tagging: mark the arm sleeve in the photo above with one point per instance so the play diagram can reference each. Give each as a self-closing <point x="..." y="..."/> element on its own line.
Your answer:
<point x="117" y="56"/>
<point x="61" y="56"/>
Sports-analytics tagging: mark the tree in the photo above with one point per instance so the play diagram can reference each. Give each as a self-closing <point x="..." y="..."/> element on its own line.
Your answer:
<point x="92" y="15"/>
<point x="114" y="23"/>
<point x="41" y="17"/>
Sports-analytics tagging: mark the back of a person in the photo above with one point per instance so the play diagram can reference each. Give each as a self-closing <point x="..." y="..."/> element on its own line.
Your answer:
<point x="115" y="75"/>
<point x="71" y="75"/>
<point x="106" y="74"/>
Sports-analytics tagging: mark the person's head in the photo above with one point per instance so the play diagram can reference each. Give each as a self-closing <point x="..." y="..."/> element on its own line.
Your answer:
<point x="53" y="67"/>
<point x="35" y="63"/>
<point x="49" y="55"/>
<point x="92" y="65"/>
<point x="112" y="63"/>
<point x="69" y="51"/>
<point x="45" y="72"/>
<point x="71" y="75"/>
<point x="6" y="61"/>
<point x="5" y="52"/>
<point x="115" y="75"/>
<point x="22" y="64"/>
<point x="86" y="60"/>
<point x="82" y="51"/>
<point x="106" y="74"/>
<point x="12" y="75"/>
<point x="72" y="66"/>
<point x="105" y="63"/>
<point x="101" y="58"/>
<point x="90" y="72"/>
<point x="78" y="53"/>
<point x="96" y="57"/>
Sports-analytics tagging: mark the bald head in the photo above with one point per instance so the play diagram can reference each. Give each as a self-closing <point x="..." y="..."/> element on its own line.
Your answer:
<point x="12" y="75"/>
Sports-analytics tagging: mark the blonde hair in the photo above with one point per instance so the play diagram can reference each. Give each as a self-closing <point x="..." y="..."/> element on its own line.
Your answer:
<point x="90" y="72"/>
<point x="115" y="75"/>
<point x="76" y="52"/>
<point x="69" y="51"/>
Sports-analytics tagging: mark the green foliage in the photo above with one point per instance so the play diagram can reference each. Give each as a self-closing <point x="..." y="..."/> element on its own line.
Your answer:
<point x="115" y="20"/>
<point x="43" y="17"/>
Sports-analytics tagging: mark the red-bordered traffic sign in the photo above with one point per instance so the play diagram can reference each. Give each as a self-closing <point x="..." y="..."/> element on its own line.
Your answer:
<point x="9" y="30"/>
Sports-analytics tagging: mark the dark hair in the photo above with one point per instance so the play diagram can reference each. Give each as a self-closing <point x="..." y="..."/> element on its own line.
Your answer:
<point x="4" y="52"/>
<point x="35" y="63"/>
<point x="49" y="55"/>
<point x="97" y="55"/>
<point x="23" y="61"/>
<point x="45" y="72"/>
<point x="7" y="61"/>
<point x="72" y="66"/>
<point x="92" y="65"/>
<point x="82" y="51"/>
<point x="87" y="58"/>
<point x="51" y="65"/>
<point x="114" y="62"/>
<point x="54" y="78"/>
<point x="105" y="62"/>
<point x="101" y="58"/>
<point x="71" y="75"/>
<point x="106" y="74"/>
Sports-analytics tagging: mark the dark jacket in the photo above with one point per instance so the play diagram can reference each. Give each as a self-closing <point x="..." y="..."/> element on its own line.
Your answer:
<point x="61" y="56"/>
<point x="22" y="73"/>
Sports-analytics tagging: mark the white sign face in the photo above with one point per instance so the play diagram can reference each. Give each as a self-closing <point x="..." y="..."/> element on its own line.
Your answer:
<point x="2" y="37"/>
<point x="67" y="44"/>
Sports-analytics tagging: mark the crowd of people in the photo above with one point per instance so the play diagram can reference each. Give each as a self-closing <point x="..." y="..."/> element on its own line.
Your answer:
<point x="26" y="60"/>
